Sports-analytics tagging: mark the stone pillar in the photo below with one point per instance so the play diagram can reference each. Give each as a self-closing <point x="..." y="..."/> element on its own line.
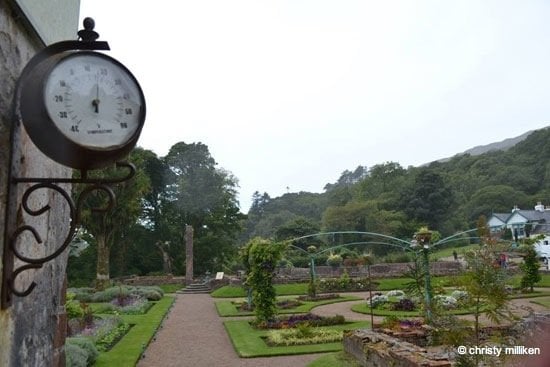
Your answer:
<point x="188" y="254"/>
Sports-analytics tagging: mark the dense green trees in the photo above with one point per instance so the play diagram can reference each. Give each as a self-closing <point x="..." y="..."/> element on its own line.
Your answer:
<point x="185" y="187"/>
<point x="448" y="196"/>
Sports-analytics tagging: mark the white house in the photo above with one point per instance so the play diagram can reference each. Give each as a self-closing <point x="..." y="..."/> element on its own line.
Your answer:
<point x="524" y="223"/>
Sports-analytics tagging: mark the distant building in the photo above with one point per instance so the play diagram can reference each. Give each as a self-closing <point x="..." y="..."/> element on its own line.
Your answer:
<point x="525" y="223"/>
<point x="522" y="223"/>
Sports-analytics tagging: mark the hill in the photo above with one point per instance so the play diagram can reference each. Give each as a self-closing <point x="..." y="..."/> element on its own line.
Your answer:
<point x="501" y="145"/>
<point x="446" y="195"/>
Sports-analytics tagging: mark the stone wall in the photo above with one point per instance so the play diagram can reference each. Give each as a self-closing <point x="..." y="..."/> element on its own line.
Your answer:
<point x="377" y="271"/>
<point x="151" y="280"/>
<point x="374" y="349"/>
<point x="32" y="329"/>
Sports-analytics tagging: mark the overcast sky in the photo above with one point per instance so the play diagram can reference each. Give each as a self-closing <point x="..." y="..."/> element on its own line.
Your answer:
<point x="288" y="94"/>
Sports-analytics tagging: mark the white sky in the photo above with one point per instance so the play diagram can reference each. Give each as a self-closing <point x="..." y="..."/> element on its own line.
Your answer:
<point x="292" y="93"/>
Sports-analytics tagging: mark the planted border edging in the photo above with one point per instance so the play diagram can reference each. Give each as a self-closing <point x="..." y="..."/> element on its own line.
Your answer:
<point x="248" y="342"/>
<point x="227" y="308"/>
<point x="129" y="349"/>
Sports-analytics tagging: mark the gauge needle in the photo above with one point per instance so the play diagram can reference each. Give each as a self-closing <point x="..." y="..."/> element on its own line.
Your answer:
<point x="95" y="102"/>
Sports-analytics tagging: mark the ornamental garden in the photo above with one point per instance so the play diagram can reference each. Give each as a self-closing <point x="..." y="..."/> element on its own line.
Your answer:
<point x="478" y="307"/>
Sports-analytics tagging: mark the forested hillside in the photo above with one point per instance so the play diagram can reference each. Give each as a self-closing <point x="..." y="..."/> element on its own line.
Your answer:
<point x="144" y="233"/>
<point x="390" y="199"/>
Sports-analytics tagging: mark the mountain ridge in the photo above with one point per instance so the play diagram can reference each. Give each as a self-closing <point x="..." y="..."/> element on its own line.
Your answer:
<point x="491" y="147"/>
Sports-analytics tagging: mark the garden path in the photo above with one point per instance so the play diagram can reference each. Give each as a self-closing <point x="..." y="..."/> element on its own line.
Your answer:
<point x="520" y="307"/>
<point x="193" y="336"/>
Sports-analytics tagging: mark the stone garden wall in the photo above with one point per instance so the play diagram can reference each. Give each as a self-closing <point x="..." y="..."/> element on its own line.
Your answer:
<point x="377" y="271"/>
<point x="375" y="349"/>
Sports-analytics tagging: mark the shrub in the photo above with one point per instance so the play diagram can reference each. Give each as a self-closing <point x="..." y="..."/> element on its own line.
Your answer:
<point x="284" y="264"/>
<point x="378" y="300"/>
<point x="88" y="346"/>
<point x="75" y="356"/>
<point x="391" y="322"/>
<point x="447" y="302"/>
<point x="152" y="293"/>
<point x="82" y="294"/>
<point x="395" y="293"/>
<point x="345" y="281"/>
<point x="334" y="260"/>
<point x="110" y="293"/>
<point x="73" y="307"/>
<point x="404" y="304"/>
<point x="460" y="296"/>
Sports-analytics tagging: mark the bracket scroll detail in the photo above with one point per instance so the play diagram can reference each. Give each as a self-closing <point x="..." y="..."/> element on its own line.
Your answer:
<point x="12" y="250"/>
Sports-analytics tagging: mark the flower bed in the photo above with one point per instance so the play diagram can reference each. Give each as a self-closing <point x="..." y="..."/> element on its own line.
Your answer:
<point x="345" y="284"/>
<point x="302" y="336"/>
<point x="104" y="332"/>
<point x="296" y="320"/>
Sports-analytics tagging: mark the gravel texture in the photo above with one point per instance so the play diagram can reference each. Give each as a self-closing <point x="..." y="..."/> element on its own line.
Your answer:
<point x="193" y="335"/>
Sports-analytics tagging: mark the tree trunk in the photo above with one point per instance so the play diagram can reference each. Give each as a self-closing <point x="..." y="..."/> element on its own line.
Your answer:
<point x="102" y="276"/>
<point x="166" y="258"/>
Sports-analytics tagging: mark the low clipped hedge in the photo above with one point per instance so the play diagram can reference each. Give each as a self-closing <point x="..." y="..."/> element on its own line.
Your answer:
<point x="152" y="293"/>
<point x="80" y="351"/>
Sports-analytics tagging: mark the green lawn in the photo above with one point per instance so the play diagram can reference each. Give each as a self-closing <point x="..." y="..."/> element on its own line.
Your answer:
<point x="171" y="288"/>
<point x="543" y="301"/>
<point x="545" y="281"/>
<point x="248" y="341"/>
<point x="228" y="308"/>
<point x="338" y="359"/>
<point x="534" y="294"/>
<point x="231" y="291"/>
<point x="128" y="350"/>
<point x="448" y="252"/>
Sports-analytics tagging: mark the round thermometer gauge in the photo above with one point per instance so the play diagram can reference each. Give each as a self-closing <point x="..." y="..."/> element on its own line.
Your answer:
<point x="95" y="105"/>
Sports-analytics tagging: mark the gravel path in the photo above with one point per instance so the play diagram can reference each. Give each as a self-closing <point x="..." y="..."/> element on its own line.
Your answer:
<point x="193" y="335"/>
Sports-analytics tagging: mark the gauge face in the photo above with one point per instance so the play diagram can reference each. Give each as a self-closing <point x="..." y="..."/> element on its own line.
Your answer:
<point x="94" y="101"/>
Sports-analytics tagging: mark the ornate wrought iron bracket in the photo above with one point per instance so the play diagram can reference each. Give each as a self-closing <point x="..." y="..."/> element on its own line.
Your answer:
<point x="16" y="257"/>
<point x="14" y="231"/>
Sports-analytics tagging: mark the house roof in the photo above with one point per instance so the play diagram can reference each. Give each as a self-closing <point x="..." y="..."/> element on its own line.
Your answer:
<point x="535" y="216"/>
<point x="501" y="216"/>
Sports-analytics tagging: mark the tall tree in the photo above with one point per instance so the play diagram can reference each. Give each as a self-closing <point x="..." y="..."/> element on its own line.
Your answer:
<point x="430" y="199"/>
<point x="486" y="287"/>
<point x="204" y="196"/>
<point x="109" y="228"/>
